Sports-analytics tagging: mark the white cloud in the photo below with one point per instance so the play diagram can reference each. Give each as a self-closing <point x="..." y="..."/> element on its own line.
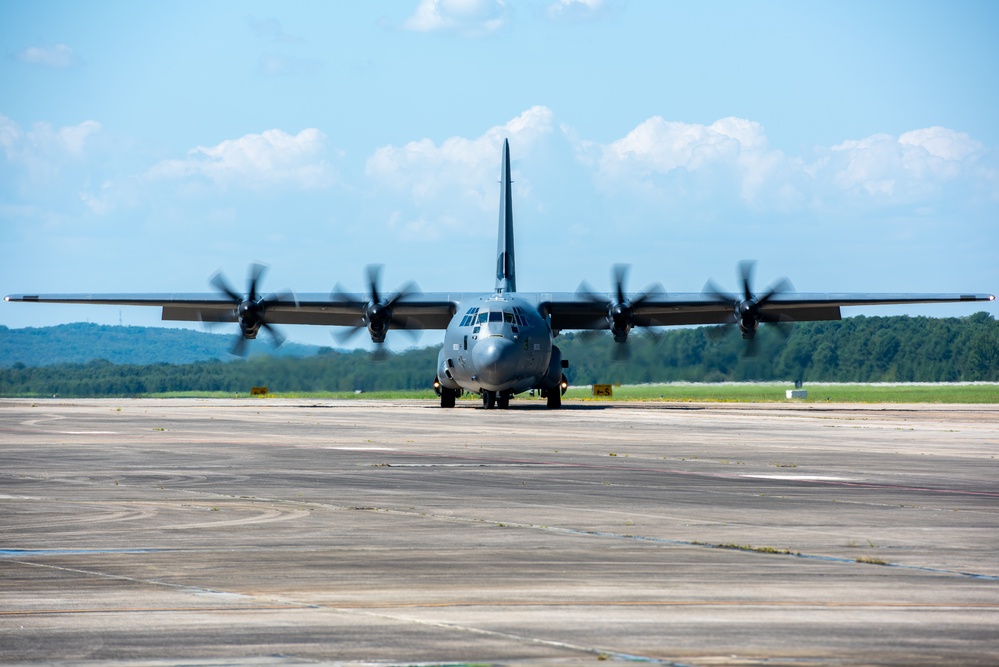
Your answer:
<point x="658" y="145"/>
<point x="271" y="159"/>
<point x="453" y="186"/>
<point x="42" y="152"/>
<point x="732" y="152"/>
<point x="668" y="170"/>
<point x="281" y="65"/>
<point x="10" y="134"/>
<point x="459" y="168"/>
<point x="272" y="30"/>
<point x="580" y="10"/>
<point x="912" y="167"/>
<point x="57" y="56"/>
<point x="413" y="229"/>
<point x="469" y="17"/>
<point x="732" y="157"/>
<point x="942" y="142"/>
<point x="73" y="138"/>
<point x="101" y="203"/>
<point x="44" y="140"/>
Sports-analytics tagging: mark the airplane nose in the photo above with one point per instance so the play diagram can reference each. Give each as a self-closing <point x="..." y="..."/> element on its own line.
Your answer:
<point x="495" y="362"/>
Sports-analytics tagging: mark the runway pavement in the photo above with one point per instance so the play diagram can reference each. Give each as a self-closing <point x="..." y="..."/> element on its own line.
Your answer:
<point x="286" y="532"/>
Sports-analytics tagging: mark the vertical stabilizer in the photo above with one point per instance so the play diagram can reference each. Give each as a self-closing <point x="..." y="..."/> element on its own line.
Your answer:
<point x="506" y="274"/>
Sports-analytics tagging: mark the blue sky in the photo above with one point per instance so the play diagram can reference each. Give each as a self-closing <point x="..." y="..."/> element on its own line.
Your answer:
<point x="849" y="146"/>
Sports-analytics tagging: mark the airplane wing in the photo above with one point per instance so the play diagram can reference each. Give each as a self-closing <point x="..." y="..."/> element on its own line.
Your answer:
<point x="572" y="311"/>
<point x="419" y="311"/>
<point x="434" y="310"/>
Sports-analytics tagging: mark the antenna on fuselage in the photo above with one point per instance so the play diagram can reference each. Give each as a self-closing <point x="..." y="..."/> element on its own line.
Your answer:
<point x="506" y="273"/>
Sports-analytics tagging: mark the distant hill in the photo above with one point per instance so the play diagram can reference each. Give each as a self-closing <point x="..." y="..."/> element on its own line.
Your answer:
<point x="80" y="343"/>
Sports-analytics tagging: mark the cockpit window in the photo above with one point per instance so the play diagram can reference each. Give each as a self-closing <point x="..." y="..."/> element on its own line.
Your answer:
<point x="476" y="316"/>
<point x="469" y="317"/>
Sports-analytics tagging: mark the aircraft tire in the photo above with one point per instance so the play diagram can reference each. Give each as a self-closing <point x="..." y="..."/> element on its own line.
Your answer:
<point x="488" y="399"/>
<point x="503" y="402"/>
<point x="554" y="399"/>
<point x="447" y="397"/>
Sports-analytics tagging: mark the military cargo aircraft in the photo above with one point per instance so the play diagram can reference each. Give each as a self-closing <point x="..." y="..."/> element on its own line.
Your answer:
<point x="501" y="343"/>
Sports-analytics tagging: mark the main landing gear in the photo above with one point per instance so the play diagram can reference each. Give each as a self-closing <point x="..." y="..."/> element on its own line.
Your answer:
<point x="448" y="396"/>
<point x="554" y="400"/>
<point x="492" y="400"/>
<point x="554" y="396"/>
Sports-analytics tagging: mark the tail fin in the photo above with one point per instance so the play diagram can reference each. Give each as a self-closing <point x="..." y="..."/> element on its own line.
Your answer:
<point x="506" y="273"/>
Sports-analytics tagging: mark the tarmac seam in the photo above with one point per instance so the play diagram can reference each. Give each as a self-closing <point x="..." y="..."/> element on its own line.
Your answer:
<point x="154" y="610"/>
<point x="684" y="543"/>
<point x="603" y="653"/>
<point x="297" y="606"/>
<point x="619" y="536"/>
<point x="197" y="590"/>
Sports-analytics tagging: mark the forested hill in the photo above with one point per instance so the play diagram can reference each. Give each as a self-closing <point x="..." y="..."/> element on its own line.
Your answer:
<point x="857" y="349"/>
<point x="81" y="342"/>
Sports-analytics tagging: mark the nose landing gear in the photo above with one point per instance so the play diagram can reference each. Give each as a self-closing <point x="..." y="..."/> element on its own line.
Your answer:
<point x="494" y="399"/>
<point x="488" y="399"/>
<point x="554" y="396"/>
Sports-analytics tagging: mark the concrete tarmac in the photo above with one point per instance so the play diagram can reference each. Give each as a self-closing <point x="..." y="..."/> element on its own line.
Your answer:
<point x="286" y="532"/>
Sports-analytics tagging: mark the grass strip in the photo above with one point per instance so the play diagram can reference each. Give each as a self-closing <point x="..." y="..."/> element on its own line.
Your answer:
<point x="741" y="392"/>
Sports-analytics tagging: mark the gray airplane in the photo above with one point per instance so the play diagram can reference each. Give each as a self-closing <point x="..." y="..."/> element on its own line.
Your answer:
<point x="500" y="343"/>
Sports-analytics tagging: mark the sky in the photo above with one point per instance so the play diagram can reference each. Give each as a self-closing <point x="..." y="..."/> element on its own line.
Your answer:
<point x="849" y="146"/>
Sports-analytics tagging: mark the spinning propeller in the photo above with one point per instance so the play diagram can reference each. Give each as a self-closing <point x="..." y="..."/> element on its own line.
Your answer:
<point x="251" y="309"/>
<point x="377" y="314"/>
<point x="748" y="309"/>
<point x="622" y="313"/>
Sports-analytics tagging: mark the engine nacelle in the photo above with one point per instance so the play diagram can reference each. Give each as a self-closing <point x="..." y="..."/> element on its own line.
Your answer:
<point x="444" y="377"/>
<point x="620" y="317"/>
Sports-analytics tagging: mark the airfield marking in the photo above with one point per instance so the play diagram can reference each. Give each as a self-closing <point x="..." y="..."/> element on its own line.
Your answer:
<point x="832" y="481"/>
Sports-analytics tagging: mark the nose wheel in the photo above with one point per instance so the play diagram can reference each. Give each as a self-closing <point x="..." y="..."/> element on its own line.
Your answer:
<point x="494" y="399"/>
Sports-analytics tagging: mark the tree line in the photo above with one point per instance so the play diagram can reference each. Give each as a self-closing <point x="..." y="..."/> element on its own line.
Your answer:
<point x="857" y="349"/>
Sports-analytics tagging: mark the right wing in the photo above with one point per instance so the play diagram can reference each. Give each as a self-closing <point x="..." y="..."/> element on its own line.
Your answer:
<point x="572" y="311"/>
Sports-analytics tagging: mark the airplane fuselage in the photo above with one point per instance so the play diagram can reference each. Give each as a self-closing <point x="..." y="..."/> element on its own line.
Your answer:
<point x="499" y="345"/>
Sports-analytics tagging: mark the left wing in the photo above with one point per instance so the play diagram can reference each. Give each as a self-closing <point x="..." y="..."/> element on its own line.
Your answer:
<point x="424" y="311"/>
